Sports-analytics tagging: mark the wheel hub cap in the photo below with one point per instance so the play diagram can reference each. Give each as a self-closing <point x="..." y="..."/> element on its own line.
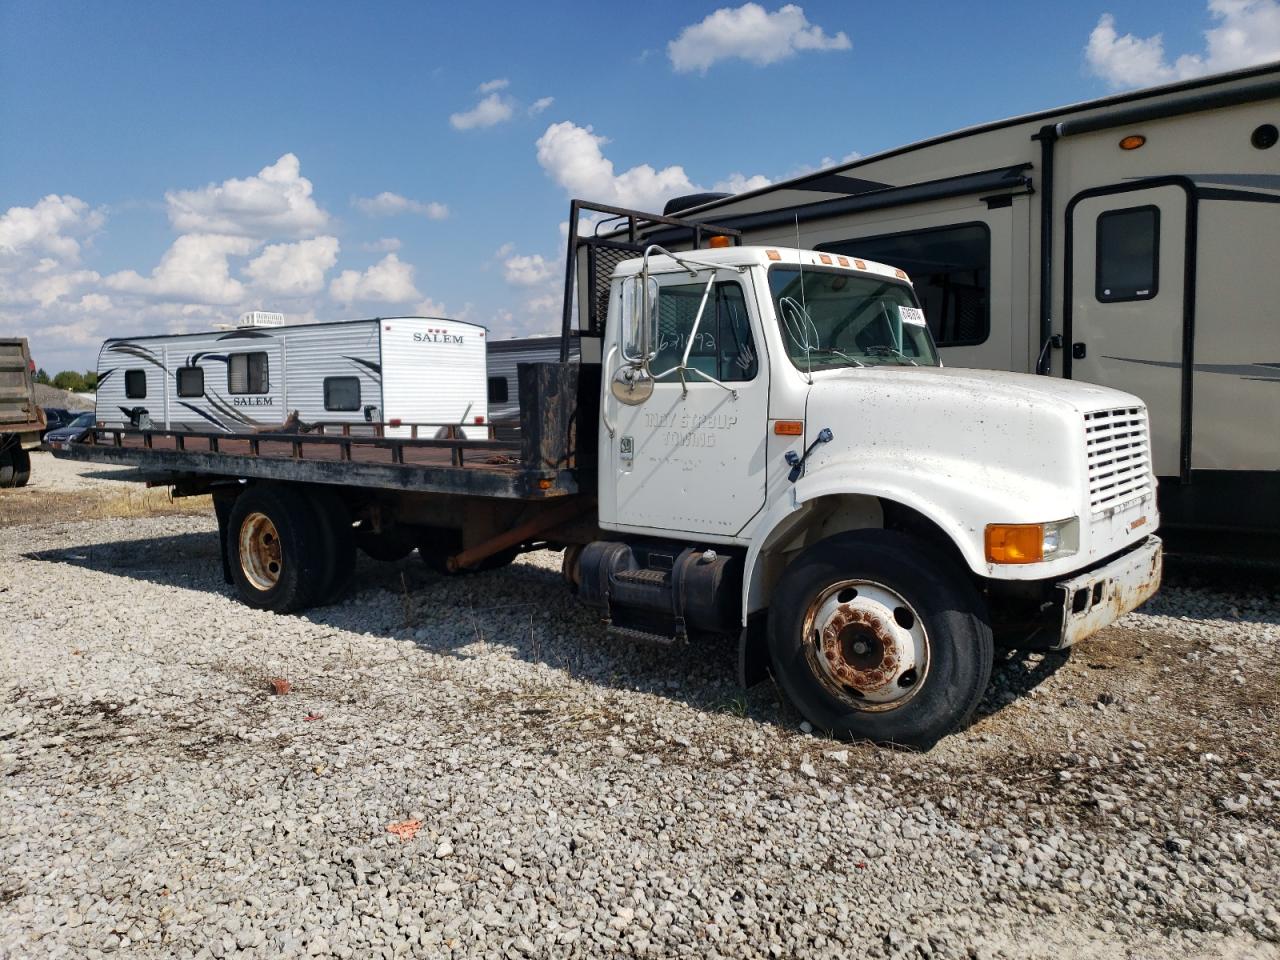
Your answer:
<point x="260" y="555"/>
<point x="867" y="644"/>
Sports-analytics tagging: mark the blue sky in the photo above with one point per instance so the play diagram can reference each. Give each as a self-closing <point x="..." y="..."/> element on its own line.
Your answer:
<point x="164" y="166"/>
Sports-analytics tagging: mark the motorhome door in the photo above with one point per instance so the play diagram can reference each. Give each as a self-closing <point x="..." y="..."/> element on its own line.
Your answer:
<point x="1126" y="277"/>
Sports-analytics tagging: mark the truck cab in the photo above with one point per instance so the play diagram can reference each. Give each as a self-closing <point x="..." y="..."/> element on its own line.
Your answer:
<point x="781" y="451"/>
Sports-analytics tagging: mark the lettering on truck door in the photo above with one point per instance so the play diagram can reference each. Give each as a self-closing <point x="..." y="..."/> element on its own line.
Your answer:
<point x="692" y="457"/>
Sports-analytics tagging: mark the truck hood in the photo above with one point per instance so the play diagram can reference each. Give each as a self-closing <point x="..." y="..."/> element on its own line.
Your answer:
<point x="1012" y="447"/>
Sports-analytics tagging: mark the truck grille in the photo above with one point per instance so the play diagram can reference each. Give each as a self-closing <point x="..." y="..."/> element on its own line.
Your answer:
<point x="1119" y="456"/>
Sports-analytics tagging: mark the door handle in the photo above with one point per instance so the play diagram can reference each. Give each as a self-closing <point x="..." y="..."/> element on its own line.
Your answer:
<point x="1078" y="350"/>
<point x="604" y="401"/>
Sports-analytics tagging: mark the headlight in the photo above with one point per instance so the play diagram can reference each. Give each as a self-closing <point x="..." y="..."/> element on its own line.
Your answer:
<point x="1032" y="542"/>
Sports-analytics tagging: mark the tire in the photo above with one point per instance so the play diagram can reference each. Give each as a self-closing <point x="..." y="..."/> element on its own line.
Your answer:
<point x="438" y="544"/>
<point x="21" y="467"/>
<point x="873" y="636"/>
<point x="6" y="468"/>
<point x="333" y="520"/>
<point x="276" y="549"/>
<point x="388" y="546"/>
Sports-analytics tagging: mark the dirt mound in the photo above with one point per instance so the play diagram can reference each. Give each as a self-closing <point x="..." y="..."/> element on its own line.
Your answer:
<point x="47" y="396"/>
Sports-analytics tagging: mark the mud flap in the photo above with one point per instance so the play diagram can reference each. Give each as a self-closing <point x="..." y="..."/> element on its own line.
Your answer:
<point x="753" y="650"/>
<point x="222" y="505"/>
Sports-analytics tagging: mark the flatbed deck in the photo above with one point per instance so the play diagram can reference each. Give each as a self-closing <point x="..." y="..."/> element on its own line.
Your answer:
<point x="485" y="468"/>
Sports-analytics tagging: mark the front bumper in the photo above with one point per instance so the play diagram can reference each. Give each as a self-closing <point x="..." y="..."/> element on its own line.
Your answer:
<point x="1102" y="596"/>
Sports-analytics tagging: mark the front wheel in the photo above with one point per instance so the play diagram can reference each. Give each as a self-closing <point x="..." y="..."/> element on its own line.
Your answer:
<point x="875" y="637"/>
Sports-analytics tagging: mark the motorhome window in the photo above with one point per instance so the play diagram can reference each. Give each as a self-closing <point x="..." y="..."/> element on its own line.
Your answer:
<point x="342" y="393"/>
<point x="1128" y="254"/>
<point x="135" y="384"/>
<point x="722" y="347"/>
<point x="836" y="318"/>
<point x="247" y="373"/>
<point x="950" y="268"/>
<point x="499" y="390"/>
<point x="191" y="381"/>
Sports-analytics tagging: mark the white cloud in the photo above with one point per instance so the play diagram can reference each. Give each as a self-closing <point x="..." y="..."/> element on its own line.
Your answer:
<point x="489" y="86"/>
<point x="741" y="183"/>
<point x="432" y="308"/>
<point x="1247" y="33"/>
<point x="390" y="280"/>
<point x="193" y="270"/>
<point x="528" y="271"/>
<point x="750" y="33"/>
<point x="387" y="204"/>
<point x="293" y="269"/>
<point x="571" y="155"/>
<point x="493" y="109"/>
<point x="49" y="228"/>
<point x="276" y="202"/>
<point x="540" y="104"/>
<point x="51" y="288"/>
<point x="504" y="251"/>
<point x="382" y="245"/>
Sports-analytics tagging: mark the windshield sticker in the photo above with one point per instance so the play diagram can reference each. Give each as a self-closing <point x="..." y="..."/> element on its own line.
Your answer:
<point x="911" y="315"/>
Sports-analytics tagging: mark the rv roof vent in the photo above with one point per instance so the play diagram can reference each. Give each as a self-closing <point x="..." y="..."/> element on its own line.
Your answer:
<point x="690" y="200"/>
<point x="261" y="318"/>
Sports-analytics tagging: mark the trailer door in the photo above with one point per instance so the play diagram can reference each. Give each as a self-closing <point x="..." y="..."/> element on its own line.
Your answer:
<point x="1130" y="263"/>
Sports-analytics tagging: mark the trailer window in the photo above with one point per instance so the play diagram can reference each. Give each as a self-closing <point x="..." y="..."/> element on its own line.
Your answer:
<point x="723" y="346"/>
<point x="1128" y="254"/>
<point x="247" y="373"/>
<point x="342" y="393"/>
<point x="135" y="384"/>
<point x="950" y="268"/>
<point x="499" y="390"/>
<point x="191" y="381"/>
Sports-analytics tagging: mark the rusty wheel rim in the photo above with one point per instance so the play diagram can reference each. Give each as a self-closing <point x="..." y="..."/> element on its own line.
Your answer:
<point x="260" y="551"/>
<point x="866" y="644"/>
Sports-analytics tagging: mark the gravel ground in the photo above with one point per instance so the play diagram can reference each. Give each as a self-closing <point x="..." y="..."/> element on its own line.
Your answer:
<point x="465" y="767"/>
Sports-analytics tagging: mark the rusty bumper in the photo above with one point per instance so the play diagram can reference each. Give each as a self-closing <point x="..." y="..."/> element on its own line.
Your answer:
<point x="1102" y="596"/>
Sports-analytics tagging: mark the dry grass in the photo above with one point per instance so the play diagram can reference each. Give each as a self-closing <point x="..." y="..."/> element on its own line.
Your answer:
<point x="26" y="506"/>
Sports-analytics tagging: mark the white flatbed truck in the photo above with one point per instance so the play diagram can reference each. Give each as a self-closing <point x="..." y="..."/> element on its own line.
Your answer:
<point x="755" y="440"/>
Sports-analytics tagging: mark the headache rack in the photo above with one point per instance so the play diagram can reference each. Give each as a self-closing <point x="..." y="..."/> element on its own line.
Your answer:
<point x="592" y="260"/>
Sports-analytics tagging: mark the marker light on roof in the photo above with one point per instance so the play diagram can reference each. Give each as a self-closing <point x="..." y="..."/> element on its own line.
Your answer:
<point x="718" y="242"/>
<point x="844" y="261"/>
<point x="859" y="264"/>
<point x="902" y="274"/>
<point x="773" y="254"/>
<point x="824" y="258"/>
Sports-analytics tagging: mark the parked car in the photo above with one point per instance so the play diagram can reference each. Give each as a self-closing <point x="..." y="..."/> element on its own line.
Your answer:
<point x="71" y="431"/>
<point x="55" y="417"/>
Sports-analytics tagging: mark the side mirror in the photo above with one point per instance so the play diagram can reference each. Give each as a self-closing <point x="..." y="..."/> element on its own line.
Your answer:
<point x="632" y="385"/>
<point x="639" y="319"/>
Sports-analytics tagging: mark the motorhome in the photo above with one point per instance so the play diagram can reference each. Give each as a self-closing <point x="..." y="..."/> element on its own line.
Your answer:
<point x="393" y="370"/>
<point x="1129" y="241"/>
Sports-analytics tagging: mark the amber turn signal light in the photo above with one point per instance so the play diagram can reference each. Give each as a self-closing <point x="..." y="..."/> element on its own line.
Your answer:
<point x="1015" y="542"/>
<point x="718" y="242"/>
<point x="788" y="428"/>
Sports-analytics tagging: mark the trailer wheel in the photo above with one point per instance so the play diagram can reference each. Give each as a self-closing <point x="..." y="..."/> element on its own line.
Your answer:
<point x="438" y="544"/>
<point x="276" y="549"/>
<point x="333" y="520"/>
<point x="21" y="467"/>
<point x="875" y="637"/>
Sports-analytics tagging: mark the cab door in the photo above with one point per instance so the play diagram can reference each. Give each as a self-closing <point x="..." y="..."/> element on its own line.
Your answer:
<point x="1126" y="325"/>
<point x="691" y="457"/>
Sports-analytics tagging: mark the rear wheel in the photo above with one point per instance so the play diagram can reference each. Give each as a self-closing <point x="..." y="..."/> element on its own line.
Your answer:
<point x="438" y="544"/>
<point x="386" y="545"/>
<point x="277" y="551"/>
<point x="6" y="468"/>
<point x="333" y="521"/>
<point x="873" y="637"/>
<point x="21" y="467"/>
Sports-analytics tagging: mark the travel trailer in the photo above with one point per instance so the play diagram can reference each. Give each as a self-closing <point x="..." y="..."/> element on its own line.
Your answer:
<point x="1129" y="241"/>
<point x="401" y="370"/>
<point x="505" y="357"/>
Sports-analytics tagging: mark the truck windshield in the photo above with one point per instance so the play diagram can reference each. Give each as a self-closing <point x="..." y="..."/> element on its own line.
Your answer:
<point x="834" y="318"/>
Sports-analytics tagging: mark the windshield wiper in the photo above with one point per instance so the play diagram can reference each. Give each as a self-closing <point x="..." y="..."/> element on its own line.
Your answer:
<point x="844" y="356"/>
<point x="882" y="350"/>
